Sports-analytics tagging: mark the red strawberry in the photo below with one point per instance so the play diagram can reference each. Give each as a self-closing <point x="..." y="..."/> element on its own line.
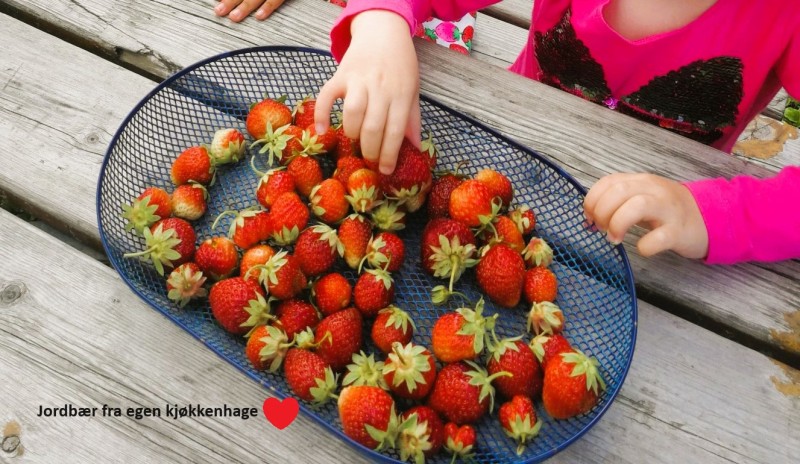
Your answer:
<point x="428" y="148"/>
<point x="540" y="284"/>
<point x="572" y="383"/>
<point x="296" y="316"/>
<point x="439" y="196"/>
<point x="153" y="204"/>
<point x="227" y="146"/>
<point x="500" y="274"/>
<point x="354" y="234"/>
<point x="373" y="291"/>
<point x="391" y="325"/>
<point x="409" y="371"/>
<point x="266" y="348"/>
<point x="363" y="191"/>
<point x="345" y="146"/>
<point x="471" y="204"/>
<point x="217" y="257"/>
<point x="303" y="112"/>
<point x="268" y="112"/>
<point x="338" y="337"/>
<point x="516" y="357"/>
<point x="316" y="249"/>
<point x="388" y="216"/>
<point x="368" y="415"/>
<point x="230" y="300"/>
<point x="545" y="346"/>
<point x="306" y="172"/>
<point x="545" y="317"/>
<point x="345" y="166"/>
<point x="278" y="143"/>
<point x="249" y="227"/>
<point x="461" y="335"/>
<point x="448" y="249"/>
<point x="467" y="34"/>
<point x="518" y="419"/>
<point x="505" y="232"/>
<point x="386" y="251"/>
<point x="255" y="256"/>
<point x="328" y="201"/>
<point x="185" y="283"/>
<point x="272" y="184"/>
<point x="524" y="218"/>
<point x="537" y="253"/>
<point x="423" y="436"/>
<point x="308" y="375"/>
<point x="194" y="163"/>
<point x="169" y="243"/>
<point x="459" y="441"/>
<point x="498" y="185"/>
<point x="328" y="140"/>
<point x="331" y="293"/>
<point x="463" y="392"/>
<point x="289" y="216"/>
<point x="189" y="201"/>
<point x="282" y="276"/>
<point x="459" y="48"/>
<point x="410" y="181"/>
<point x="295" y="136"/>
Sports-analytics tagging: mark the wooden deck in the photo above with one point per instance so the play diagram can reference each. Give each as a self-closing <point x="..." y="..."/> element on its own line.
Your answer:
<point x="706" y="374"/>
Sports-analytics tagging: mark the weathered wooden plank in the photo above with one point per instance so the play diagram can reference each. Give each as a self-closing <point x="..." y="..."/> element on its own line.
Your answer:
<point x="586" y="139"/>
<point x="516" y="12"/>
<point x="99" y="344"/>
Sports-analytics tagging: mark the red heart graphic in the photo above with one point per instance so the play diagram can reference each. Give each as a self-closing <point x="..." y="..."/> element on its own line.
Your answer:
<point x="281" y="413"/>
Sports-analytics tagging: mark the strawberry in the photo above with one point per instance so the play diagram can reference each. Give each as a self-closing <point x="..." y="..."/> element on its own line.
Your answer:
<point x="308" y="375"/>
<point x="505" y="232"/>
<point x="296" y="140"/>
<point x="282" y="276"/>
<point x="471" y="204"/>
<point x="516" y="357"/>
<point x="328" y="201"/>
<point x="267" y="112"/>
<point x="423" y="437"/>
<point x="500" y="273"/>
<point x="363" y="191"/>
<point x="150" y="206"/>
<point x="391" y="325"/>
<point x="498" y="185"/>
<point x="428" y="148"/>
<point x="257" y="255"/>
<point x="328" y="140"/>
<point x="227" y="146"/>
<point x="272" y="184"/>
<point x="463" y="392"/>
<point x="303" y="112"/>
<point x="459" y="441"/>
<point x="537" y="253"/>
<point x="364" y="370"/>
<point x="354" y="234"/>
<point x="459" y="48"/>
<point x="439" y="196"/>
<point x="409" y="371"/>
<point x="169" y="243"/>
<point x="545" y="317"/>
<point x="316" y="249"/>
<point x="572" y="383"/>
<point x="462" y="334"/>
<point x="296" y="316"/>
<point x="385" y="251"/>
<point x="266" y="348"/>
<point x="278" y="142"/>
<point x="524" y="218"/>
<point x="290" y="216"/>
<point x="195" y="164"/>
<point x="368" y="416"/>
<point x="217" y="257"/>
<point x="518" y="419"/>
<point x="345" y="146"/>
<point x="306" y="172"/>
<point x="230" y="301"/>
<point x="540" y="284"/>
<point x="248" y="227"/>
<point x="338" y="337"/>
<point x="346" y="166"/>
<point x="447" y="249"/>
<point x="388" y="216"/>
<point x="410" y="181"/>
<point x="185" y="283"/>
<point x="331" y="293"/>
<point x="189" y="201"/>
<point x="545" y="346"/>
<point x="373" y="291"/>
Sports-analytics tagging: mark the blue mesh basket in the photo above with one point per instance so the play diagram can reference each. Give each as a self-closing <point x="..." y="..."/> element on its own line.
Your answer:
<point x="596" y="289"/>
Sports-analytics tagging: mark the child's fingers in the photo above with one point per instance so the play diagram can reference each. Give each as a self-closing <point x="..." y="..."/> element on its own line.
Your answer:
<point x="611" y="199"/>
<point x="639" y="208"/>
<point x="414" y="125"/>
<point x="596" y="192"/>
<point x="353" y="109"/>
<point x="268" y="8"/>
<point x="396" y="122"/>
<point x="225" y="6"/>
<point x="328" y="94"/>
<point x="244" y="9"/>
<point x="657" y="240"/>
<point x="373" y="125"/>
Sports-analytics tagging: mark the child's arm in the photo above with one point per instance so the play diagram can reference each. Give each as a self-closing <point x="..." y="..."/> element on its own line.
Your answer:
<point x="378" y="73"/>
<point x="237" y="10"/>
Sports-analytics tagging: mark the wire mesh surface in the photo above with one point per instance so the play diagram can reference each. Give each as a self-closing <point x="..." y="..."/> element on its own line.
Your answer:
<point x="595" y="293"/>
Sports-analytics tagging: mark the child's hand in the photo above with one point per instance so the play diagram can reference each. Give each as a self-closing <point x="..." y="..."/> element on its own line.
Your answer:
<point x="378" y="78"/>
<point x="237" y="10"/>
<point x="619" y="201"/>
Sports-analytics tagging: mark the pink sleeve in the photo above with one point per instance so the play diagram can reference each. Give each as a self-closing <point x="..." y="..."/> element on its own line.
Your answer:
<point x="751" y="219"/>
<point x="788" y="66"/>
<point x="413" y="11"/>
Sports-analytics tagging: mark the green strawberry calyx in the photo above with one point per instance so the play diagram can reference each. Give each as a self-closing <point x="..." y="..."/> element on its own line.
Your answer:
<point x="325" y="387"/>
<point x="398" y="318"/>
<point x="478" y="377"/>
<point x="274" y="142"/>
<point x="414" y="439"/>
<point x="363" y="199"/>
<point x="260" y="311"/>
<point x="276" y="344"/>
<point x="588" y="366"/>
<point x="382" y="276"/>
<point x="186" y="284"/>
<point x="522" y="431"/>
<point x="538" y="253"/>
<point x="364" y="370"/>
<point x="388" y="438"/>
<point x="537" y="345"/>
<point x="477" y="325"/>
<point x="499" y="348"/>
<point x="408" y="363"/>
<point x="545" y="317"/>
<point x="160" y="248"/>
<point x="451" y="258"/>
<point x="140" y="215"/>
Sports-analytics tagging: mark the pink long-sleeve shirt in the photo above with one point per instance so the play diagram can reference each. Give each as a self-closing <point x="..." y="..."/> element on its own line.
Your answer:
<point x="705" y="80"/>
